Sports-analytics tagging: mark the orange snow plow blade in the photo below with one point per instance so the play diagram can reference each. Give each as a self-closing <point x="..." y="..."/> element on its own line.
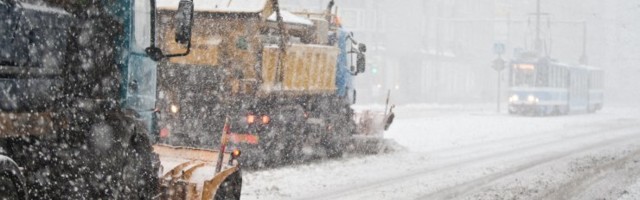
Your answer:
<point x="369" y="137"/>
<point x="189" y="173"/>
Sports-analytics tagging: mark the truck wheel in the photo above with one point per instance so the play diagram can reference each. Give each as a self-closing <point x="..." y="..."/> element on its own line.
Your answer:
<point x="12" y="183"/>
<point x="8" y="189"/>
<point x="334" y="152"/>
<point x="126" y="168"/>
<point x="140" y="170"/>
<point x="231" y="188"/>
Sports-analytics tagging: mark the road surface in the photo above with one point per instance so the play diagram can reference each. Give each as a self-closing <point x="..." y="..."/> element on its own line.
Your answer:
<point x="468" y="152"/>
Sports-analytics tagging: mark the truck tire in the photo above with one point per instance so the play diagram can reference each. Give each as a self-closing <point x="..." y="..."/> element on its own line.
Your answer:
<point x="231" y="188"/>
<point x="127" y="168"/>
<point x="292" y="136"/>
<point x="140" y="166"/>
<point x="140" y="172"/>
<point x="12" y="182"/>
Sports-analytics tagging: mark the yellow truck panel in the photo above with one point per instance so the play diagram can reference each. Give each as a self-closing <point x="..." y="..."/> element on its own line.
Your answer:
<point x="217" y="40"/>
<point x="16" y="124"/>
<point x="307" y="68"/>
<point x="204" y="51"/>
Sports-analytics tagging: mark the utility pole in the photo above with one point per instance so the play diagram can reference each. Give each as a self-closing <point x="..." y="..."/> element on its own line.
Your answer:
<point x="538" y="43"/>
<point x="583" y="58"/>
<point x="498" y="94"/>
<point x="498" y="65"/>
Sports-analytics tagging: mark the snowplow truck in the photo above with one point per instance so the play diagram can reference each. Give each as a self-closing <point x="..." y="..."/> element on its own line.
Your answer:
<point x="284" y="79"/>
<point x="77" y="101"/>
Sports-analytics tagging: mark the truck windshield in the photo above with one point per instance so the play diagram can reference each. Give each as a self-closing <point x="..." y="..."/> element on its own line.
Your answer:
<point x="142" y="26"/>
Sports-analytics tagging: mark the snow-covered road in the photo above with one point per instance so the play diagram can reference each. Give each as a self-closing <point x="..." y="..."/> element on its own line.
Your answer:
<point x="469" y="152"/>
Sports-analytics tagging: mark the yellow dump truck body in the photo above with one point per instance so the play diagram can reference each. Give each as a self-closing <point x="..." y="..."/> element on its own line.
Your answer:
<point x="307" y="68"/>
<point x="236" y="43"/>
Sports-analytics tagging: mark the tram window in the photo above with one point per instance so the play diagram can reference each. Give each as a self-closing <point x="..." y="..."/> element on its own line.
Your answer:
<point x="593" y="82"/>
<point x="585" y="87"/>
<point x="565" y="77"/>
<point x="542" y="76"/>
<point x="562" y="77"/>
<point x="600" y="80"/>
<point x="554" y="76"/>
<point x="559" y="78"/>
<point x="524" y="75"/>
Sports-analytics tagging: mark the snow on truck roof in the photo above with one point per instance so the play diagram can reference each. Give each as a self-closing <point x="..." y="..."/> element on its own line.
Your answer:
<point x="228" y="6"/>
<point x="291" y="18"/>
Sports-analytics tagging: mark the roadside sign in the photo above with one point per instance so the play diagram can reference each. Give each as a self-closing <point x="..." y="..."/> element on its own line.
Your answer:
<point x="498" y="64"/>
<point x="498" y="48"/>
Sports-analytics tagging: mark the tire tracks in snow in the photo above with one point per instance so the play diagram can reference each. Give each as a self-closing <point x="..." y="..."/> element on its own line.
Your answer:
<point x="478" y="184"/>
<point x="451" y="192"/>
<point x="605" y="181"/>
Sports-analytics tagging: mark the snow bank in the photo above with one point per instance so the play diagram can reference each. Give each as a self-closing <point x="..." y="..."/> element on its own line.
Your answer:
<point x="424" y="128"/>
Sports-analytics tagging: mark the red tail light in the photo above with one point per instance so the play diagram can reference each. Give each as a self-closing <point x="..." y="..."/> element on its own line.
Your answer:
<point x="235" y="154"/>
<point x="251" y="119"/>
<point x="266" y="119"/>
<point x="164" y="132"/>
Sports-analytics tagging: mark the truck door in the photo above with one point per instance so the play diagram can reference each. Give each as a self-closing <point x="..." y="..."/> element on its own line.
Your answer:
<point x="140" y="70"/>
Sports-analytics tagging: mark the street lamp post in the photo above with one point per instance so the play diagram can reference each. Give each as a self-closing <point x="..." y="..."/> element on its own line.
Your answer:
<point x="498" y="65"/>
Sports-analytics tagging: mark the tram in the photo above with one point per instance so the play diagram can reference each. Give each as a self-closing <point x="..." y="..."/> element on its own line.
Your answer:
<point x="542" y="86"/>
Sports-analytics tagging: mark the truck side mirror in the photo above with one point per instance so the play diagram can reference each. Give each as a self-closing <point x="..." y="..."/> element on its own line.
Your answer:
<point x="354" y="96"/>
<point x="184" y="21"/>
<point x="360" y="62"/>
<point x="362" y="48"/>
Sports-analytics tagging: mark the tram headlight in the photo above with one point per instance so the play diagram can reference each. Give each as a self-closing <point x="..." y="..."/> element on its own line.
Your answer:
<point x="514" y="98"/>
<point x="532" y="99"/>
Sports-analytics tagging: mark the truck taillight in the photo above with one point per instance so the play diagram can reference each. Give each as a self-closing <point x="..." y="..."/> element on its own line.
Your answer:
<point x="235" y="154"/>
<point x="164" y="132"/>
<point x="251" y="119"/>
<point x="266" y="119"/>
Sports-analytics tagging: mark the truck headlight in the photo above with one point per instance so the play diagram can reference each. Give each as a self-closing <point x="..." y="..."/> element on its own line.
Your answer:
<point x="174" y="108"/>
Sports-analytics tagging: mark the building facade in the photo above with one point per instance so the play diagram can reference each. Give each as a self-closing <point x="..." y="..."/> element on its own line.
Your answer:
<point x="440" y="51"/>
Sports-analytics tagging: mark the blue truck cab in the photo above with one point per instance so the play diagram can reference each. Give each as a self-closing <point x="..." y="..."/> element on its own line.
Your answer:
<point x="348" y="48"/>
<point x="78" y="82"/>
